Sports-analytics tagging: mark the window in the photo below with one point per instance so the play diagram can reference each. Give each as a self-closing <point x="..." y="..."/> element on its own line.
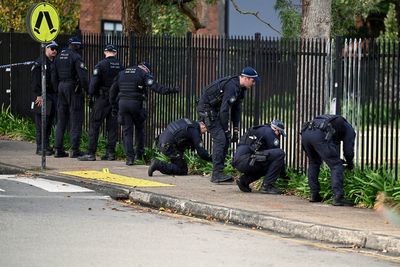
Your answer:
<point x="111" y="27"/>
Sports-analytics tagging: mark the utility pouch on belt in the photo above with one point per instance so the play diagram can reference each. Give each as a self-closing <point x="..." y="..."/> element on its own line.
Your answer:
<point x="258" y="156"/>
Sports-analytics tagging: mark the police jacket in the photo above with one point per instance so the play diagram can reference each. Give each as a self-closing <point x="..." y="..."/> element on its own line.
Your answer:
<point x="184" y="134"/>
<point x="132" y="83"/>
<point x="257" y="139"/>
<point x="36" y="73"/>
<point x="103" y="76"/>
<point x="69" y="67"/>
<point x="220" y="97"/>
<point x="342" y="131"/>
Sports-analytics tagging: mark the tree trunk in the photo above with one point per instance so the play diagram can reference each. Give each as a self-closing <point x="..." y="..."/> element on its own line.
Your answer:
<point x="131" y="19"/>
<point x="316" y="21"/>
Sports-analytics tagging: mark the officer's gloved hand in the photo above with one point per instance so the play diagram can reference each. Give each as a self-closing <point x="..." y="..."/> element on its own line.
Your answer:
<point x="90" y="101"/>
<point x="174" y="90"/>
<point x="350" y="165"/>
<point x="235" y="135"/>
<point x="114" y="111"/>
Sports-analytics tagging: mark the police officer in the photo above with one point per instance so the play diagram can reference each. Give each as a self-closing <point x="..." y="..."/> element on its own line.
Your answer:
<point x="103" y="75"/>
<point x="220" y="98"/>
<point x="179" y="135"/>
<point x="130" y="88"/>
<point x="259" y="154"/>
<point x="321" y="139"/>
<point x="51" y="103"/>
<point x="70" y="76"/>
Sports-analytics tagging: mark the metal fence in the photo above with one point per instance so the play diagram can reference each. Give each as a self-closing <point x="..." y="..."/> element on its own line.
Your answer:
<point x="300" y="79"/>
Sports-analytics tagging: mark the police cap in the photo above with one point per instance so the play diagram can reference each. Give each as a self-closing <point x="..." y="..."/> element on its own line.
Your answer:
<point x="111" y="48"/>
<point x="251" y="73"/>
<point x="75" y="40"/>
<point x="52" y="44"/>
<point x="279" y="125"/>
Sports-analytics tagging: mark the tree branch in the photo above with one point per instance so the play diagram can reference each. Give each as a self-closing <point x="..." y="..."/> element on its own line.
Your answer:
<point x="254" y="13"/>
<point x="192" y="16"/>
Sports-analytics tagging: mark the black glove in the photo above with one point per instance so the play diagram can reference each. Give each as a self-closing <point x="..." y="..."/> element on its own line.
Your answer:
<point x="114" y="111"/>
<point x="90" y="101"/>
<point x="174" y="90"/>
<point x="350" y="165"/>
<point x="235" y="135"/>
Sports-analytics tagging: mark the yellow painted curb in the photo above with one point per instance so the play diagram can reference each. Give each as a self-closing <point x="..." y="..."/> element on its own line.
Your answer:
<point x="106" y="176"/>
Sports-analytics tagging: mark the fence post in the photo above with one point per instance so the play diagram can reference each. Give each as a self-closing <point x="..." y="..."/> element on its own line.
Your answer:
<point x="188" y="73"/>
<point x="338" y="81"/>
<point x="257" y="56"/>
<point x="132" y="48"/>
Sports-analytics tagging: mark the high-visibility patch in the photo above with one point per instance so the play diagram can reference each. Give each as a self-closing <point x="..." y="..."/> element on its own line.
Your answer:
<point x="109" y="177"/>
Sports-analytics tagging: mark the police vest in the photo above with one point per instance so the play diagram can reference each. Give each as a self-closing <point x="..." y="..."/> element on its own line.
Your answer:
<point x="251" y="138"/>
<point x="215" y="91"/>
<point x="179" y="130"/>
<point x="131" y="84"/>
<point x="65" y="65"/>
<point x="111" y="68"/>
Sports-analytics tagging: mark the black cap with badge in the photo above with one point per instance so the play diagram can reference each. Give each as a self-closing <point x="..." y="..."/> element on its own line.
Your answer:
<point x="111" y="48"/>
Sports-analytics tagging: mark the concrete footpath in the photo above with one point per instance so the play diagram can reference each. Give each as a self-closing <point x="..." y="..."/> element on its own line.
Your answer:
<point x="197" y="196"/>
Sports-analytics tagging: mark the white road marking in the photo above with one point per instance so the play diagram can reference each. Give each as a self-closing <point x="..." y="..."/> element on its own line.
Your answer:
<point x="48" y="185"/>
<point x="1" y="190"/>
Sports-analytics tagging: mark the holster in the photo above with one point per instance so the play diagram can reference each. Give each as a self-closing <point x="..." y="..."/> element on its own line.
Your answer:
<point x="257" y="157"/>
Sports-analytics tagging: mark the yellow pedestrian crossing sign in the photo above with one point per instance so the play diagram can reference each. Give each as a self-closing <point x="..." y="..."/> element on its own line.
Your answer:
<point x="42" y="22"/>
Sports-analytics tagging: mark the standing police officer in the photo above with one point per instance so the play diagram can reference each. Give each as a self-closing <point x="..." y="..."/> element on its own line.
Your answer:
<point x="218" y="99"/>
<point x="179" y="135"/>
<point x="70" y="76"/>
<point x="321" y="141"/>
<point x="103" y="75"/>
<point x="258" y="153"/>
<point x="51" y="105"/>
<point x="130" y="88"/>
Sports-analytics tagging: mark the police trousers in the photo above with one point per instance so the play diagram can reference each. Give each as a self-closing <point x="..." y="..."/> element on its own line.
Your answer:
<point x="177" y="165"/>
<point x="102" y="111"/>
<point x="318" y="150"/>
<point x="70" y="108"/>
<point x="220" y="144"/>
<point x="131" y="113"/>
<point x="271" y="167"/>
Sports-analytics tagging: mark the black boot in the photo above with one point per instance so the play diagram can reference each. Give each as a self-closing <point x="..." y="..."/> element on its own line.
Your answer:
<point x="341" y="201"/>
<point x="243" y="185"/>
<point x="129" y="161"/>
<point x="218" y="177"/>
<point x="153" y="167"/>
<point x="108" y="156"/>
<point x="315" y="197"/>
<point x="60" y="154"/>
<point x="269" y="189"/>
<point x="87" y="157"/>
<point x="76" y="154"/>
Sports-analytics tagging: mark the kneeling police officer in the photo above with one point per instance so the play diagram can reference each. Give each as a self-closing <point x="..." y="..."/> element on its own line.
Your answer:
<point x="179" y="135"/>
<point x="321" y="139"/>
<point x="259" y="153"/>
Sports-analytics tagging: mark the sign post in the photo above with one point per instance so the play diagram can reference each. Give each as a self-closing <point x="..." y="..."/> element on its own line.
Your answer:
<point x="43" y="26"/>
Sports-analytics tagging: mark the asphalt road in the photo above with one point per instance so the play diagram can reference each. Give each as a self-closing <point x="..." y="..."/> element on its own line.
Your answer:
<point x="46" y="223"/>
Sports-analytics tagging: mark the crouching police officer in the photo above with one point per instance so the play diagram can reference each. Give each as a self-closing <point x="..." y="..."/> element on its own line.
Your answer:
<point x="174" y="140"/>
<point x="130" y="88"/>
<point x="103" y="75"/>
<point x="220" y="98"/>
<point x="321" y="139"/>
<point x="259" y="154"/>
<point x="70" y="76"/>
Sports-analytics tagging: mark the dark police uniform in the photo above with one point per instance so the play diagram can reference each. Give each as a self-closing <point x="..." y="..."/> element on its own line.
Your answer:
<point x="71" y="78"/>
<point x="259" y="154"/>
<point x="103" y="75"/>
<point x="218" y="99"/>
<point x="173" y="141"/>
<point x="51" y="103"/>
<point x="321" y="139"/>
<point x="130" y="87"/>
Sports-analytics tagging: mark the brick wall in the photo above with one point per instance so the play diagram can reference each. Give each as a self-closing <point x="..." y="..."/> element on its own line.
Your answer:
<point x="94" y="11"/>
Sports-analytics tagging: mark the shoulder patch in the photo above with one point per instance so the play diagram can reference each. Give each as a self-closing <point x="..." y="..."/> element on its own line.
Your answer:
<point x="276" y="142"/>
<point x="82" y="66"/>
<point x="149" y="81"/>
<point x="95" y="72"/>
<point x="201" y="144"/>
<point x="232" y="100"/>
